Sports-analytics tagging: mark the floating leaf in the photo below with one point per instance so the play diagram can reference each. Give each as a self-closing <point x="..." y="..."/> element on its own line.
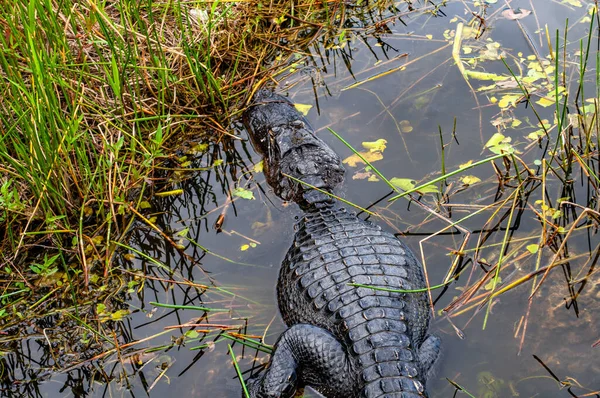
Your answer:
<point x="375" y="146"/>
<point x="145" y="204"/>
<point x="467" y="50"/>
<point x="258" y="167"/>
<point x="243" y="193"/>
<point x="500" y="144"/>
<point x="508" y="83"/>
<point x="407" y="184"/>
<point x="466" y="164"/>
<point x="574" y="3"/>
<point x="247" y="246"/>
<point x="545" y="101"/>
<point x="470" y="180"/>
<point x="484" y="75"/>
<point x="509" y="100"/>
<point x="496" y="139"/>
<point x="536" y="135"/>
<point x="404" y="184"/>
<point x="501" y="121"/>
<point x="360" y="175"/>
<point x="519" y="13"/>
<point x="354" y="160"/>
<point x="490" y="52"/>
<point x="405" y="126"/>
<point x="303" y="108"/>
<point x="533" y="248"/>
<point x="373" y="178"/>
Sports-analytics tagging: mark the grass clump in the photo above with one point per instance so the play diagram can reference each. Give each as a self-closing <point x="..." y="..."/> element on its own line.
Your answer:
<point x="97" y="97"/>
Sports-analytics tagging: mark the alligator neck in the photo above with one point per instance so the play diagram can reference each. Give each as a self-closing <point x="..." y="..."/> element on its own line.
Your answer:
<point x="314" y="201"/>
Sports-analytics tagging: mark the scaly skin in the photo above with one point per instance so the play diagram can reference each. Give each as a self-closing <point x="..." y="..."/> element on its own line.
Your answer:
<point x="343" y="341"/>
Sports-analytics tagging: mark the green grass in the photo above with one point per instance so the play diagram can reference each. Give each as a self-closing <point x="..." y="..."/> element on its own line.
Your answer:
<point x="97" y="95"/>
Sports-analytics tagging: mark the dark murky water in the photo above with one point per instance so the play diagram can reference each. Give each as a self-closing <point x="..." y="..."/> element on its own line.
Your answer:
<point x="429" y="92"/>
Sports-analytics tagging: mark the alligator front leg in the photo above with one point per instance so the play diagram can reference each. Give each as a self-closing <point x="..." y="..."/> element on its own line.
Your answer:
<point x="306" y="355"/>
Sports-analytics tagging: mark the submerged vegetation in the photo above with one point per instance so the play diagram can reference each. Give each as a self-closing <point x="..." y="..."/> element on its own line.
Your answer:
<point x="114" y="113"/>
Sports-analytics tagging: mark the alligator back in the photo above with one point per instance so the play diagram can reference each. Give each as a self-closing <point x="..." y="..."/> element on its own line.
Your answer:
<point x="334" y="249"/>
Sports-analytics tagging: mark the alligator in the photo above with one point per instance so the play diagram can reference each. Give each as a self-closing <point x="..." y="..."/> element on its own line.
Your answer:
<point x="343" y="340"/>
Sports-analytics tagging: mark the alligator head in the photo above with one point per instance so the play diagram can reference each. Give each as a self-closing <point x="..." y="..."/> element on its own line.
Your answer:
<point x="290" y="148"/>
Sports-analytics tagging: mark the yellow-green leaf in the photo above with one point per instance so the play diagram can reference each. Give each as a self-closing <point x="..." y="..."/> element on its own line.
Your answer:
<point x="119" y="315"/>
<point x="545" y="101"/>
<point x="535" y="135"/>
<point x="170" y="193"/>
<point x="375" y="146"/>
<point x="198" y="148"/>
<point x="303" y="108"/>
<point x="470" y="180"/>
<point x="243" y="193"/>
<point x="466" y="164"/>
<point x="509" y="100"/>
<point x="484" y="75"/>
<point x="258" y="167"/>
<point x="404" y="184"/>
<point x="496" y="139"/>
<point x="533" y="248"/>
<point x="500" y="144"/>
<point x="407" y="184"/>
<point x="192" y="334"/>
